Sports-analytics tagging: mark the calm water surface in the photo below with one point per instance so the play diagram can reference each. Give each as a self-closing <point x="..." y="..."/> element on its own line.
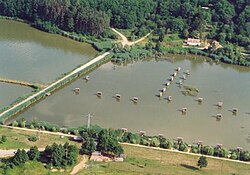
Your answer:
<point x="31" y="55"/>
<point x="143" y="79"/>
<point x="8" y="93"/>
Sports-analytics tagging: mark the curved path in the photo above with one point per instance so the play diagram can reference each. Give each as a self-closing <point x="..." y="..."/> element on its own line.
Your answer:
<point x="57" y="82"/>
<point x="80" y="165"/>
<point x="125" y="41"/>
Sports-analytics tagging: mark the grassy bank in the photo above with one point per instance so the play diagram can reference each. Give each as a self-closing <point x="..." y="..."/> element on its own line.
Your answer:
<point x="139" y="160"/>
<point x="149" y="161"/>
<point x="19" y="139"/>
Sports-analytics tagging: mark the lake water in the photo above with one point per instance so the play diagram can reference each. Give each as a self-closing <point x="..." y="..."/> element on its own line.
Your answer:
<point x="144" y="79"/>
<point x="8" y="93"/>
<point x="31" y="55"/>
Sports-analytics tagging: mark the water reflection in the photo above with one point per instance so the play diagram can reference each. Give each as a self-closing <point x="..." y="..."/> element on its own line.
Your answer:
<point x="143" y="79"/>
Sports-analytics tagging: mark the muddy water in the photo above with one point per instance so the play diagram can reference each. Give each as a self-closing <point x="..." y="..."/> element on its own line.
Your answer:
<point x="144" y="79"/>
<point x="30" y="55"/>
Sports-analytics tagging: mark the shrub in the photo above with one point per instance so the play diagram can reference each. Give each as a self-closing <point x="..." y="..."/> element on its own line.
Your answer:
<point x="32" y="138"/>
<point x="32" y="127"/>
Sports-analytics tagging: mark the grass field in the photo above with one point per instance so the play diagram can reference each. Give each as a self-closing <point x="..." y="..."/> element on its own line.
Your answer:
<point x="156" y="162"/>
<point x="142" y="161"/>
<point x="19" y="139"/>
<point x="139" y="161"/>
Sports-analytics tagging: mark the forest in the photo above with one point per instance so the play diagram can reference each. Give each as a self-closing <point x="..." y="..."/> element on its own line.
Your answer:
<point x="223" y="20"/>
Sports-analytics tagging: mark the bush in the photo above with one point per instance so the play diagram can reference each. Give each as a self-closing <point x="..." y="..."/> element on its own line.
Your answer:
<point x="3" y="139"/>
<point x="105" y="45"/>
<point x="32" y="138"/>
<point x="15" y="124"/>
<point x="32" y="127"/>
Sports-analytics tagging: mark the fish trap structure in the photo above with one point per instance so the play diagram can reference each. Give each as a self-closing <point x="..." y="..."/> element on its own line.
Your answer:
<point x="99" y="94"/>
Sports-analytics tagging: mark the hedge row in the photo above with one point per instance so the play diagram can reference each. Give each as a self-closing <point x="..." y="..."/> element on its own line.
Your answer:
<point x="50" y="90"/>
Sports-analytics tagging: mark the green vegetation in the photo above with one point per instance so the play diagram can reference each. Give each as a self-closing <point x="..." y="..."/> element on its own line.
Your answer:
<point x="105" y="45"/>
<point x="202" y="162"/>
<point x="129" y="54"/>
<point x="107" y="142"/>
<point x="19" y="139"/>
<point x="154" y="162"/>
<point x="139" y="160"/>
<point x="59" y="156"/>
<point x="223" y="20"/>
<point x="3" y="139"/>
<point x="189" y="90"/>
<point x="72" y="16"/>
<point x="32" y="138"/>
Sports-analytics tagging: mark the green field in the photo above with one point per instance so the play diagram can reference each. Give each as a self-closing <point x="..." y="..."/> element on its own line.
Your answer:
<point x="147" y="162"/>
<point x="142" y="161"/>
<point x="154" y="162"/>
<point x="19" y="139"/>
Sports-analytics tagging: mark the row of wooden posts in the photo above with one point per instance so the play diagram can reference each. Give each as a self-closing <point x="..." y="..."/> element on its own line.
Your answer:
<point x="171" y="80"/>
<point x="135" y="99"/>
<point x="199" y="99"/>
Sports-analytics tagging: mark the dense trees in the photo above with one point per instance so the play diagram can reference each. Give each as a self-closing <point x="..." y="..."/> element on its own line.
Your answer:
<point x="224" y="20"/>
<point x="64" y="14"/>
<point x="108" y="142"/>
<point x="33" y="153"/>
<point x="61" y="155"/>
<point x="88" y="146"/>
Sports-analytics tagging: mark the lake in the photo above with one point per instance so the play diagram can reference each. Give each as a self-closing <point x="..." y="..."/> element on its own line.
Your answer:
<point x="144" y="79"/>
<point x="31" y="55"/>
<point x="28" y="54"/>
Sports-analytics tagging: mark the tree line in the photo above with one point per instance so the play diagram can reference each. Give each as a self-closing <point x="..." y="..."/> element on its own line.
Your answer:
<point x="106" y="141"/>
<point x="49" y="15"/>
<point x="224" y="20"/>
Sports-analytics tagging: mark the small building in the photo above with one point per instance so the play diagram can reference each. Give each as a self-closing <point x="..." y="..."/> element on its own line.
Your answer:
<point x="120" y="158"/>
<point x="96" y="156"/>
<point x="192" y="42"/>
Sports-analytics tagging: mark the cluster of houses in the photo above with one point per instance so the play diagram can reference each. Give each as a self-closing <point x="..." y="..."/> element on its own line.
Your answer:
<point x="204" y="44"/>
<point x="99" y="157"/>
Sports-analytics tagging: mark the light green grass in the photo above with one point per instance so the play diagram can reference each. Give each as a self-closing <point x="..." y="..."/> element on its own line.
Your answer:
<point x="154" y="162"/>
<point x="29" y="168"/>
<point x="19" y="139"/>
